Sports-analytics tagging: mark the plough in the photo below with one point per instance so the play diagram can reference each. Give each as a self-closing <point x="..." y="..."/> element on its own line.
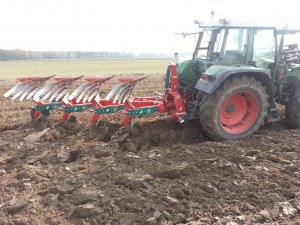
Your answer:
<point x="86" y="97"/>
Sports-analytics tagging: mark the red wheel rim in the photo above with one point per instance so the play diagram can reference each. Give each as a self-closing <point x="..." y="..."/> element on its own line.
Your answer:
<point x="239" y="112"/>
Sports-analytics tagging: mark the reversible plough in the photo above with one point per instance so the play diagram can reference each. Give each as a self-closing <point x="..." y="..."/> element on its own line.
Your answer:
<point x="86" y="97"/>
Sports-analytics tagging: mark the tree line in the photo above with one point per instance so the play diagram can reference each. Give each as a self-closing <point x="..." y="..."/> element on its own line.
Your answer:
<point x="24" y="55"/>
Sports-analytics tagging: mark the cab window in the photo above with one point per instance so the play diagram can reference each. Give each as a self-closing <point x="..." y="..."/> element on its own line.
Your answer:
<point x="235" y="46"/>
<point x="263" y="48"/>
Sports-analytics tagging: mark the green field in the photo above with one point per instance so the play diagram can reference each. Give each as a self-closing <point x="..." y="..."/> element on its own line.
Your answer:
<point x="88" y="67"/>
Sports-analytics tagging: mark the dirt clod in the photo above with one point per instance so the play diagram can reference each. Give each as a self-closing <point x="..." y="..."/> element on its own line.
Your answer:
<point x="156" y="172"/>
<point x="84" y="211"/>
<point x="16" y="205"/>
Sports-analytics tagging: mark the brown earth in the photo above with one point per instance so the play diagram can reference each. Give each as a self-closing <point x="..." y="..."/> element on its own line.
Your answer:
<point x="158" y="172"/>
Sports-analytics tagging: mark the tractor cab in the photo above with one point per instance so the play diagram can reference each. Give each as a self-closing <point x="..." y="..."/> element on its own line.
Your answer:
<point x="226" y="43"/>
<point x="234" y="43"/>
<point x="231" y="43"/>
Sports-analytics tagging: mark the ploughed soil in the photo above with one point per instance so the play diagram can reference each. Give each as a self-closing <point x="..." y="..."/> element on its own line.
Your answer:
<point x="156" y="172"/>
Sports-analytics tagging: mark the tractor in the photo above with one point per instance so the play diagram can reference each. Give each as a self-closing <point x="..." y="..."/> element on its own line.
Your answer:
<point x="237" y="76"/>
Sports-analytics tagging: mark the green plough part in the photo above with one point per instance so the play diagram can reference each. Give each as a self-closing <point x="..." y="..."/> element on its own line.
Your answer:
<point x="78" y="108"/>
<point x="50" y="106"/>
<point x="109" y="109"/>
<point x="142" y="111"/>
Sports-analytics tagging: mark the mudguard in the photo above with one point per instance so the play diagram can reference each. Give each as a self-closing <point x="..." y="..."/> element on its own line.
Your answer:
<point x="221" y="72"/>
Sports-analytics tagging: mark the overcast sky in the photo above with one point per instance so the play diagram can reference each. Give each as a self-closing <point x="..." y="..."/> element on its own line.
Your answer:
<point x="125" y="25"/>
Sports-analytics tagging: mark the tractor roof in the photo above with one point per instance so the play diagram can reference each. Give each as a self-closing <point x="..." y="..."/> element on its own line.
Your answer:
<point x="224" y="23"/>
<point x="287" y="31"/>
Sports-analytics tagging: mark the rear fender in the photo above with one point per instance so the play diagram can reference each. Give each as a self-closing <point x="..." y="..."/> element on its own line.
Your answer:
<point x="221" y="73"/>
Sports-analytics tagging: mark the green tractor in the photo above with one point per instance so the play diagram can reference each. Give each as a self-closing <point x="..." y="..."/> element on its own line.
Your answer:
<point x="237" y="76"/>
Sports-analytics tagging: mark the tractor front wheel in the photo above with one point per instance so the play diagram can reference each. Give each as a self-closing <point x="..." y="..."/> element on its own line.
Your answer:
<point x="292" y="111"/>
<point x="235" y="110"/>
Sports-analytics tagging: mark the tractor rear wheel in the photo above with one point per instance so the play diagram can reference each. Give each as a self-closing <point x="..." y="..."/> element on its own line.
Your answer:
<point x="292" y="111"/>
<point x="235" y="110"/>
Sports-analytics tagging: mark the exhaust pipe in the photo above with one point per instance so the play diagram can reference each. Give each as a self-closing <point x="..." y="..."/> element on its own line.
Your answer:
<point x="176" y="58"/>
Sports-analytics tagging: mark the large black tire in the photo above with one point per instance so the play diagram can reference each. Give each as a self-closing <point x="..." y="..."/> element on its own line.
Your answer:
<point x="292" y="111"/>
<point x="235" y="110"/>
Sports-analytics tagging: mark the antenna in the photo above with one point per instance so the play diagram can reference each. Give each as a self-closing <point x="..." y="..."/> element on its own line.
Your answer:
<point x="212" y="12"/>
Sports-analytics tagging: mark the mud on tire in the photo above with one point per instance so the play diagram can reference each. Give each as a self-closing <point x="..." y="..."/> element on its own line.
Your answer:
<point x="292" y="111"/>
<point x="235" y="110"/>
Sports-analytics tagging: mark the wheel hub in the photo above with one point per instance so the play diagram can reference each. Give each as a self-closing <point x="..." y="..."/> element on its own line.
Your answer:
<point x="239" y="112"/>
<point x="230" y="108"/>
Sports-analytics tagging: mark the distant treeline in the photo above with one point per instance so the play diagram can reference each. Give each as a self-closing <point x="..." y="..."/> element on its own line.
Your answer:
<point x="23" y="55"/>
